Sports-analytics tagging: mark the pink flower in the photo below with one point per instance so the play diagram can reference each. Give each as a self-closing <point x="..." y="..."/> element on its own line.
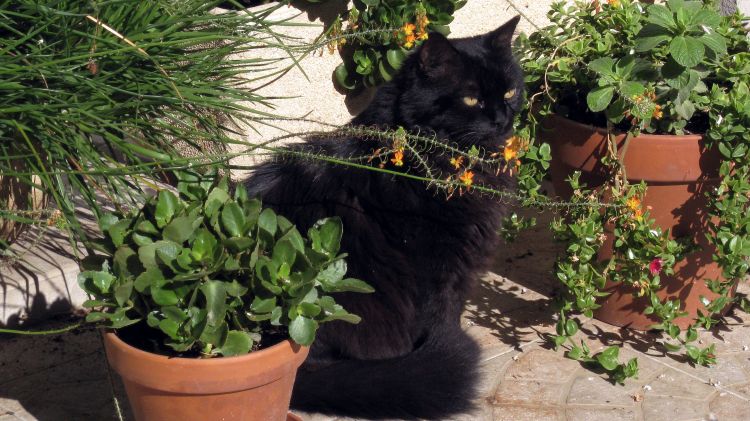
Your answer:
<point x="655" y="266"/>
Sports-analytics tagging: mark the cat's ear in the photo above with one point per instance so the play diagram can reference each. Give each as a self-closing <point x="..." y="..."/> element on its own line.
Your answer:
<point x="500" y="38"/>
<point x="438" y="58"/>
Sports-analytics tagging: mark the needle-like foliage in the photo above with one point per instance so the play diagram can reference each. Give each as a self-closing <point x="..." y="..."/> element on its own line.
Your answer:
<point x="95" y="94"/>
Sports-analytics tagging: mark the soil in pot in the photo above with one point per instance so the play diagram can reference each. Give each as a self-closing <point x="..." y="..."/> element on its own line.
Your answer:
<point x="252" y="387"/>
<point x="679" y="170"/>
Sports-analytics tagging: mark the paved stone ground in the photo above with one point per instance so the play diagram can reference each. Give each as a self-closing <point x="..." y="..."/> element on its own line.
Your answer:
<point x="65" y="377"/>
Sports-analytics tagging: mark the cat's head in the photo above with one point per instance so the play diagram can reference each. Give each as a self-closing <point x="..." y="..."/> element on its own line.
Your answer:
<point x="467" y="90"/>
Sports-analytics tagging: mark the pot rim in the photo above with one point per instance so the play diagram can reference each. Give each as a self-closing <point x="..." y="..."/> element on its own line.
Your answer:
<point x="603" y="131"/>
<point x="126" y="348"/>
<point x="197" y="376"/>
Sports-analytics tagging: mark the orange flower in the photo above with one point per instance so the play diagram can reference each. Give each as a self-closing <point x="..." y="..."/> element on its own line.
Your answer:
<point x="409" y="37"/>
<point x="457" y="162"/>
<point x="467" y="177"/>
<point x="614" y="3"/>
<point x="657" y="112"/>
<point x="398" y="158"/>
<point x="512" y="146"/>
<point x="634" y="204"/>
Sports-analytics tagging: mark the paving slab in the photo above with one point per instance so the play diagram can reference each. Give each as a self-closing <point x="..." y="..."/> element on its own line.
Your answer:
<point x="66" y="378"/>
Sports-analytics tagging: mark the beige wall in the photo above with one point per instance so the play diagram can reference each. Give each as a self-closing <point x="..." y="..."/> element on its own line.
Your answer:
<point x="316" y="94"/>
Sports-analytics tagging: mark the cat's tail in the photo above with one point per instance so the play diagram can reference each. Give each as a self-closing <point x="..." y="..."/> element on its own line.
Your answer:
<point x="436" y="381"/>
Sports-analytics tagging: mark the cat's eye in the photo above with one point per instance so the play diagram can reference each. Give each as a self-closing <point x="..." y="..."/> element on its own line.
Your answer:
<point x="471" y="101"/>
<point x="510" y="94"/>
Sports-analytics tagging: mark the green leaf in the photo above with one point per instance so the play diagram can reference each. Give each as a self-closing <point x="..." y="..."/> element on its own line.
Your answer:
<point x="106" y="221"/>
<point x="148" y="278"/>
<point x="236" y="343"/>
<point x="125" y="263"/>
<point x="599" y="98"/>
<point x="384" y="71"/>
<point x="603" y="66"/>
<point x="284" y="252"/>
<point x="332" y="273"/>
<point x="166" y="206"/>
<point x="395" y="57"/>
<point x="714" y="42"/>
<point x="650" y="37"/>
<point x="608" y="358"/>
<point x="216" y="304"/>
<point x="233" y="219"/>
<point x="122" y="292"/>
<point x="308" y="309"/>
<point x="102" y="280"/>
<point x="575" y="353"/>
<point x="164" y="297"/>
<point x="331" y="231"/>
<point x="629" y="88"/>
<point x="341" y="76"/>
<point x="686" y="50"/>
<point x="174" y="313"/>
<point x="267" y="221"/>
<point x="215" y="335"/>
<point x="239" y="244"/>
<point x="204" y="245"/>
<point x="235" y="289"/>
<point x="295" y="239"/>
<point x="170" y="328"/>
<point x="661" y="16"/>
<point x="214" y="201"/>
<point x="302" y="330"/>
<point x="179" y="229"/>
<point x="347" y="285"/>
<point x="263" y="305"/>
<point x="571" y="327"/>
<point x="167" y="251"/>
<point x="146" y="227"/>
<point x="118" y="231"/>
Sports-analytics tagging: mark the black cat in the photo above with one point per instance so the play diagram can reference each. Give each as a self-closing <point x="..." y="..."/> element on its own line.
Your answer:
<point x="409" y="357"/>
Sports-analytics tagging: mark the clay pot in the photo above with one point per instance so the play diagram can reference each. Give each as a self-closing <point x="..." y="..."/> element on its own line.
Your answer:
<point x="679" y="170"/>
<point x="252" y="387"/>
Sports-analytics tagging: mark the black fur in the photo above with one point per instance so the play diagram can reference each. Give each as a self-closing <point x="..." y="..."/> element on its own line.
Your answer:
<point x="408" y="358"/>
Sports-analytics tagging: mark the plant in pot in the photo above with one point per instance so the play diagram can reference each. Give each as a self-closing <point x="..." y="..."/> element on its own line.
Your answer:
<point x="212" y="301"/>
<point x="645" y="109"/>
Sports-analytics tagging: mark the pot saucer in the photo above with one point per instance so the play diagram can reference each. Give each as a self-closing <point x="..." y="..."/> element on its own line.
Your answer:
<point x="293" y="417"/>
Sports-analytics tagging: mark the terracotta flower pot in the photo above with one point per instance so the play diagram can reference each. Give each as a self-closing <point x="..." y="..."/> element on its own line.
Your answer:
<point x="252" y="387"/>
<point x="679" y="170"/>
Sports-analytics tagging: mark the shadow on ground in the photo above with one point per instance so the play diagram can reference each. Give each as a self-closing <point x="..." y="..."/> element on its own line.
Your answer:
<point x="57" y="377"/>
<point x="516" y="311"/>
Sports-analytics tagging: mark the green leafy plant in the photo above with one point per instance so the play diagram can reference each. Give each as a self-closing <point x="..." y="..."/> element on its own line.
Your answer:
<point x="672" y="68"/>
<point x="375" y="36"/>
<point x="212" y="272"/>
<point x="93" y="94"/>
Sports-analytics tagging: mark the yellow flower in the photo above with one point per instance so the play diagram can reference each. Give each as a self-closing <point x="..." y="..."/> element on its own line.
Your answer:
<point x="398" y="158"/>
<point x="614" y="3"/>
<point x="422" y="23"/>
<point x="409" y="28"/>
<point x="467" y="177"/>
<point x="512" y="146"/>
<point x="634" y="204"/>
<point x="643" y="286"/>
<point x="457" y="161"/>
